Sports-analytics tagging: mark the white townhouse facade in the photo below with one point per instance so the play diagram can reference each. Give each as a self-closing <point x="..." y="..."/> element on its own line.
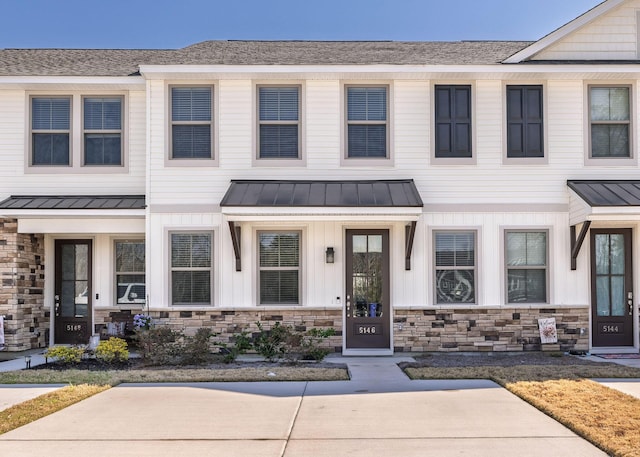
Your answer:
<point x="414" y="196"/>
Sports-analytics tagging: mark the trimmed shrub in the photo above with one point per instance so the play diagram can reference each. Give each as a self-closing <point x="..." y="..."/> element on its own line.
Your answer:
<point x="113" y="350"/>
<point x="197" y="349"/>
<point x="159" y="346"/>
<point x="65" y="354"/>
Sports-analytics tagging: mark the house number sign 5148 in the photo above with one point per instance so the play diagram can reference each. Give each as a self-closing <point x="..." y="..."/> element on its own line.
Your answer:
<point x="73" y="327"/>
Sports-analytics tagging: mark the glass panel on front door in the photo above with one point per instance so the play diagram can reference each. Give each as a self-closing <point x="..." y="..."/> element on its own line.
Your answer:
<point x="75" y="281"/>
<point x="610" y="275"/>
<point x="367" y="275"/>
<point x="612" y="288"/>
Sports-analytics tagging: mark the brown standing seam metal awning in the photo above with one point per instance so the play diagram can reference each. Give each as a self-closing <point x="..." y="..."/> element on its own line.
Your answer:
<point x="604" y="199"/>
<point x="396" y="193"/>
<point x="19" y="202"/>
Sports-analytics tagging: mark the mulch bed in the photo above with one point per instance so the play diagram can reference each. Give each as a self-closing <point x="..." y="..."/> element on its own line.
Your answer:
<point x="499" y="359"/>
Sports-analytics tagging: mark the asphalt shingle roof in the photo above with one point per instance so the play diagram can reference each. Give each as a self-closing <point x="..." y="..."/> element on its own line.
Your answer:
<point x="125" y="62"/>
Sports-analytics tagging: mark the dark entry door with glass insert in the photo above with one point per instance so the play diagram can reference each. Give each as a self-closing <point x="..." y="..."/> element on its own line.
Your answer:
<point x="72" y="291"/>
<point x="611" y="287"/>
<point x="367" y="324"/>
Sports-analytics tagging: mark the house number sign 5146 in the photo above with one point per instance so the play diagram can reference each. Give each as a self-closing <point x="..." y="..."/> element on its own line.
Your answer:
<point x="73" y="327"/>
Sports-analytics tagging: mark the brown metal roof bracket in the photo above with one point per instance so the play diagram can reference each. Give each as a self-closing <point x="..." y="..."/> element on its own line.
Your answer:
<point x="576" y="244"/>
<point x="235" y="239"/>
<point x="409" y="234"/>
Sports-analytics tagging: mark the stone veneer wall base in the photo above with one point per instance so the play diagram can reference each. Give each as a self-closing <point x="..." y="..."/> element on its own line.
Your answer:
<point x="26" y="324"/>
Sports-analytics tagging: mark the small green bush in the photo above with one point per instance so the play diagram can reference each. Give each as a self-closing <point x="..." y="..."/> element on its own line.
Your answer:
<point x="273" y="344"/>
<point x="160" y="345"/>
<point x="197" y="348"/>
<point x="113" y="350"/>
<point x="239" y="343"/>
<point x="65" y="354"/>
<point x="311" y="349"/>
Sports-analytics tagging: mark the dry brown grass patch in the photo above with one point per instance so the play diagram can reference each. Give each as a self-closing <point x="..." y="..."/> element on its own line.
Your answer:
<point x="31" y="410"/>
<point x="608" y="418"/>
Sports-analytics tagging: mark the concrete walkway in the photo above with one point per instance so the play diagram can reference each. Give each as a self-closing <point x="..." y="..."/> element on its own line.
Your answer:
<point x="378" y="413"/>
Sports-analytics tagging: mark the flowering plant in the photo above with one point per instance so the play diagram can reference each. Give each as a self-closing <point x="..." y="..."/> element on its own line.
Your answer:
<point x="142" y="322"/>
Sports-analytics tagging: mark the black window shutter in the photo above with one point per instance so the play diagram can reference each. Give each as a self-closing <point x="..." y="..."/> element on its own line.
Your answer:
<point x="524" y="121"/>
<point x="452" y="121"/>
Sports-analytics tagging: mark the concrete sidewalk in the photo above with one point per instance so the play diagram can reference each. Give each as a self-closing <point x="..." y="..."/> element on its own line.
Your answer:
<point x="378" y="413"/>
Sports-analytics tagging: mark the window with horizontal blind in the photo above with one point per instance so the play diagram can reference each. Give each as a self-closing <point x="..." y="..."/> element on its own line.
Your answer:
<point x="50" y="130"/>
<point x="279" y="122"/>
<point x="279" y="268"/>
<point x="452" y="121"/>
<point x="367" y="122"/>
<point x="455" y="266"/>
<point x="526" y="265"/>
<point x="192" y="122"/>
<point x="525" y="129"/>
<point x="191" y="268"/>
<point x="102" y="124"/>
<point x="130" y="269"/>
<point x="609" y="122"/>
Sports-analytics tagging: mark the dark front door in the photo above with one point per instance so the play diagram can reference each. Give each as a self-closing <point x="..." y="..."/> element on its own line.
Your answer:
<point x="73" y="291"/>
<point x="367" y="323"/>
<point x="611" y="287"/>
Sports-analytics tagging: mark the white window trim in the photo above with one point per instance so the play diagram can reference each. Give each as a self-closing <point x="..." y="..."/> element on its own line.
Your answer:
<point x="347" y="161"/>
<point x="434" y="292"/>
<point x="632" y="160"/>
<point x="76" y="141"/>
<point x="105" y="131"/>
<point x="301" y="263"/>
<point x="301" y="160"/>
<point x="545" y="125"/>
<point x="213" y="270"/>
<point x="195" y="162"/>
<point x="504" y="267"/>
<point x="432" y="102"/>
<point x="114" y="272"/>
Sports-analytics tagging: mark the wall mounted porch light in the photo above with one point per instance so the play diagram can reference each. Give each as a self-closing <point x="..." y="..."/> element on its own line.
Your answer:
<point x="329" y="255"/>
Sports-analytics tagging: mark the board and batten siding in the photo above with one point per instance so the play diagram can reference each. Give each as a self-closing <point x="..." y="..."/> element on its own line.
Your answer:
<point x="612" y="36"/>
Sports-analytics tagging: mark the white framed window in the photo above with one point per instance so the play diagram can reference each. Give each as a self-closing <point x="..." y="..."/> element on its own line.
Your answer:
<point x="79" y="132"/>
<point x="610" y="130"/>
<point x="526" y="264"/>
<point x="102" y="130"/>
<point x="50" y="131"/>
<point x="455" y="266"/>
<point x="130" y="271"/>
<point x="279" y="121"/>
<point x="367" y="122"/>
<point x="191" y="268"/>
<point x="279" y="267"/>
<point x="191" y="122"/>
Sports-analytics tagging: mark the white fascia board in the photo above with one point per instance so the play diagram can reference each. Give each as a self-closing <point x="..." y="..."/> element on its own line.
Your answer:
<point x="73" y="213"/>
<point x="72" y="82"/>
<point x="82" y="225"/>
<point x="242" y="214"/>
<point x="563" y="31"/>
<point x="409" y="72"/>
<point x="615" y="210"/>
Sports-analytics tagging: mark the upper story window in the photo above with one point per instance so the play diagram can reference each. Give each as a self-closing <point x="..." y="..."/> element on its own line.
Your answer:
<point x="50" y="131"/>
<point x="455" y="266"/>
<point x="191" y="122"/>
<point x="525" y="129"/>
<point x="453" y="121"/>
<point x="367" y="122"/>
<point x="609" y="122"/>
<point x="526" y="265"/>
<point x="102" y="130"/>
<point x="279" y="122"/>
